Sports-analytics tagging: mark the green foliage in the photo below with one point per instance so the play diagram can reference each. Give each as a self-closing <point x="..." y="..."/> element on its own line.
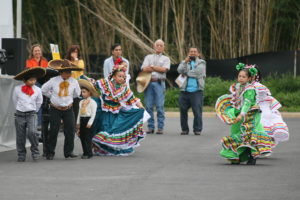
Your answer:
<point x="172" y="97"/>
<point x="214" y="88"/>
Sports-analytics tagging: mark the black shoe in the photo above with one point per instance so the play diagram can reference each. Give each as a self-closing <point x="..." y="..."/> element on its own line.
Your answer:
<point x="21" y="159"/>
<point x="150" y="131"/>
<point x="49" y="157"/>
<point x="251" y="161"/>
<point x="71" y="156"/>
<point x="197" y="132"/>
<point x="35" y="157"/>
<point x="184" y="133"/>
<point x="86" y="157"/>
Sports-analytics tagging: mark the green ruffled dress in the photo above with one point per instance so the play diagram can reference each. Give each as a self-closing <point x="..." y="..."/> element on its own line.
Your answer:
<point x="247" y="135"/>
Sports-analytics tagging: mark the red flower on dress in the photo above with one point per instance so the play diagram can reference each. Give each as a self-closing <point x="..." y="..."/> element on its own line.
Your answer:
<point x="118" y="61"/>
<point x="27" y="90"/>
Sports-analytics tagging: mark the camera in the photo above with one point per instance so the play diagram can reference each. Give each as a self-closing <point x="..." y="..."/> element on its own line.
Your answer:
<point x="3" y="57"/>
<point x="192" y="58"/>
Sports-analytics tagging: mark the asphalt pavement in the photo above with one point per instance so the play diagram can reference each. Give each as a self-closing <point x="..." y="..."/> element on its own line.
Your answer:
<point x="164" y="167"/>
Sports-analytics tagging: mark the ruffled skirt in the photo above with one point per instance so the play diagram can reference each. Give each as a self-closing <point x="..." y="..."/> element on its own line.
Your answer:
<point x="246" y="136"/>
<point x="118" y="134"/>
<point x="273" y="124"/>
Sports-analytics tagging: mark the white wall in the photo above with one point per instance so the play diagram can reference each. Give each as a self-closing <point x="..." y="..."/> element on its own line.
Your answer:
<point x="6" y="20"/>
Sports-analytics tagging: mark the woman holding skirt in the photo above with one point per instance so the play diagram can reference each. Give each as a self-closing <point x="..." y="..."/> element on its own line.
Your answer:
<point x="119" y="123"/>
<point x="239" y="109"/>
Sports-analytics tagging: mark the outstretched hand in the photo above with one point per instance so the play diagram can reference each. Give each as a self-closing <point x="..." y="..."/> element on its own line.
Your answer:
<point x="140" y="105"/>
<point x="238" y="118"/>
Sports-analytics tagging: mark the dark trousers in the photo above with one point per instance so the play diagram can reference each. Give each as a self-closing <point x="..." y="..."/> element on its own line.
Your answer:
<point x="69" y="129"/>
<point x="45" y="132"/>
<point x="86" y="136"/>
<point x="76" y="106"/>
<point x="186" y="101"/>
<point x="25" y="123"/>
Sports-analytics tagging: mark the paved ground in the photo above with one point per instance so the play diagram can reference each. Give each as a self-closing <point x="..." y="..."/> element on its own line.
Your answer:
<point x="165" y="167"/>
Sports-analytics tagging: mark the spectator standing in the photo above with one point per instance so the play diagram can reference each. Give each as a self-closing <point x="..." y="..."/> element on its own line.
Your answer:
<point x="193" y="68"/>
<point x="36" y="58"/>
<point x="157" y="64"/>
<point x="114" y="59"/>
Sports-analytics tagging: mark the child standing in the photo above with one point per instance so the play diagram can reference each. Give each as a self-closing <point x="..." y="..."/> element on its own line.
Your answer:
<point x="86" y="116"/>
<point x="248" y="139"/>
<point x="28" y="100"/>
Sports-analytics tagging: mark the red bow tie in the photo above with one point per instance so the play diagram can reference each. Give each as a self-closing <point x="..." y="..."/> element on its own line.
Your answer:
<point x="27" y="90"/>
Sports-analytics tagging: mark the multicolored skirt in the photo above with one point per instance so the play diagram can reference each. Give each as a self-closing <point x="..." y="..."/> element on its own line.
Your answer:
<point x="246" y="135"/>
<point x="120" y="133"/>
<point x="273" y="123"/>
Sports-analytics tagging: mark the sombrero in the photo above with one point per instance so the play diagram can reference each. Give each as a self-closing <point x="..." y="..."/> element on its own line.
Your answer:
<point x="36" y="72"/>
<point x="143" y="81"/>
<point x="62" y="65"/>
<point x="49" y="74"/>
<point x="88" y="85"/>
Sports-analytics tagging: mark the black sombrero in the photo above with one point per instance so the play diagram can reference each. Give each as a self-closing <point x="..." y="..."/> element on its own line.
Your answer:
<point x="36" y="72"/>
<point x="50" y="73"/>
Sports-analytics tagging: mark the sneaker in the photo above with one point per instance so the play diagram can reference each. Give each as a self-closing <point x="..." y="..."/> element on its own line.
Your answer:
<point x="150" y="131"/>
<point x="159" y="132"/>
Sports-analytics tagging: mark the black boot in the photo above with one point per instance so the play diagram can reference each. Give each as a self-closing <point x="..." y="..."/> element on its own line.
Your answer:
<point x="251" y="161"/>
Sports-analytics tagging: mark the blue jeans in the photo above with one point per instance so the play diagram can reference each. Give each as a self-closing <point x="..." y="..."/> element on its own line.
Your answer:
<point x="155" y="95"/>
<point x="186" y="101"/>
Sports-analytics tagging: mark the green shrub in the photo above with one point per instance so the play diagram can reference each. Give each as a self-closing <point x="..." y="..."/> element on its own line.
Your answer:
<point x="285" y="88"/>
<point x="214" y="88"/>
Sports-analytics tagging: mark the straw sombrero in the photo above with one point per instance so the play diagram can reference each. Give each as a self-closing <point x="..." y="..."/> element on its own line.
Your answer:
<point x="143" y="81"/>
<point x="36" y="72"/>
<point x="88" y="85"/>
<point x="62" y="65"/>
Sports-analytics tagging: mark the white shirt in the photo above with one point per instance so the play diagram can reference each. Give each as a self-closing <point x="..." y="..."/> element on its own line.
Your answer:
<point x="157" y="60"/>
<point x="109" y="64"/>
<point x="26" y="103"/>
<point x="51" y="89"/>
<point x="91" y="109"/>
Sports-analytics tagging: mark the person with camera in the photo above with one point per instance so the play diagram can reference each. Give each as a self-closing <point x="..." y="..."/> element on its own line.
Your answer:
<point x="193" y="69"/>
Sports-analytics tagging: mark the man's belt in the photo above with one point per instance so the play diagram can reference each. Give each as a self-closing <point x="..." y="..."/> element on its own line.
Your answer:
<point x="63" y="108"/>
<point x="157" y="79"/>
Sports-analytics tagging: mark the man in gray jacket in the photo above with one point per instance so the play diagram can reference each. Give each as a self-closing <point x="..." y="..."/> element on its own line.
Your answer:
<point x="191" y="91"/>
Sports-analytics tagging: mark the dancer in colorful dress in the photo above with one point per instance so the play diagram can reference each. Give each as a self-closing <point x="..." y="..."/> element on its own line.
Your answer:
<point x="271" y="118"/>
<point x="248" y="139"/>
<point x="120" y="125"/>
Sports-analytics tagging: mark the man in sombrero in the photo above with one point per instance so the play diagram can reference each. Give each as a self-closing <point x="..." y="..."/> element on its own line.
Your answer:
<point x="61" y="90"/>
<point x="27" y="99"/>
